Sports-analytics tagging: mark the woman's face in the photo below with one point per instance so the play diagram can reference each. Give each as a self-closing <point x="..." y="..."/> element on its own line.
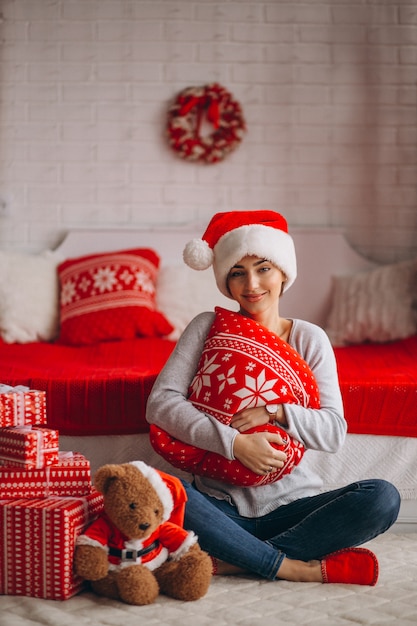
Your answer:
<point x="256" y="284"/>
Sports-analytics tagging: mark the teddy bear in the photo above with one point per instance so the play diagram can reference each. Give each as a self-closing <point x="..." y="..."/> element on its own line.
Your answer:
<point x="137" y="547"/>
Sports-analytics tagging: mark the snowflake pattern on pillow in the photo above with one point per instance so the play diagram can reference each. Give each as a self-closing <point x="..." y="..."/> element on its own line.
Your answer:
<point x="110" y="296"/>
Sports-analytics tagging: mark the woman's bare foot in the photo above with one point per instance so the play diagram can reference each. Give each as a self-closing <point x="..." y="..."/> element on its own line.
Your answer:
<point x="300" y="571"/>
<point x="296" y="571"/>
<point x="221" y="568"/>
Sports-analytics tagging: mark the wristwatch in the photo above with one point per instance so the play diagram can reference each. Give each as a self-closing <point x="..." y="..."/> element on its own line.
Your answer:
<point x="272" y="410"/>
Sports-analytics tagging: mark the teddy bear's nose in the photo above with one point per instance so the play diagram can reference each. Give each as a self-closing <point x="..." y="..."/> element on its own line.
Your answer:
<point x="144" y="526"/>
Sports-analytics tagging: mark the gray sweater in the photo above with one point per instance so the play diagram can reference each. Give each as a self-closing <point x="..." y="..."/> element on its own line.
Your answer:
<point x="318" y="429"/>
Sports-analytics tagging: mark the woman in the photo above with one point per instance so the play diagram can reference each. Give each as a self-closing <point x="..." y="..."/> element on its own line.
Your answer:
<point x="287" y="529"/>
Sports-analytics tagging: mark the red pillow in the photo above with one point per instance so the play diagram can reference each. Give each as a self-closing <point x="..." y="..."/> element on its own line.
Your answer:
<point x="110" y="296"/>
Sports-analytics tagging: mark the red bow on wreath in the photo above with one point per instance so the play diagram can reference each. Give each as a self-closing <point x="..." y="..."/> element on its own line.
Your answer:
<point x="204" y="103"/>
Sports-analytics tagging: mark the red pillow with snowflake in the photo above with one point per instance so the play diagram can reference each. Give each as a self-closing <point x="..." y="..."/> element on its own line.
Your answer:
<point x="110" y="296"/>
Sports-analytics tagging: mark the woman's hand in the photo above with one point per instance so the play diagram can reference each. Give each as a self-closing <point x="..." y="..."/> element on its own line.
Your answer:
<point x="256" y="452"/>
<point x="249" y="418"/>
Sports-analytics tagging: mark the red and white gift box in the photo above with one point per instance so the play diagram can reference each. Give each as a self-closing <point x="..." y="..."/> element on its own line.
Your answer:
<point x="21" y="405"/>
<point x="70" y="476"/>
<point x="38" y="542"/>
<point x="31" y="447"/>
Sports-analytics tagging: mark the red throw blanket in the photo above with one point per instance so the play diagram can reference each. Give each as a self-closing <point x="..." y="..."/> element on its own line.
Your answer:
<point x="242" y="365"/>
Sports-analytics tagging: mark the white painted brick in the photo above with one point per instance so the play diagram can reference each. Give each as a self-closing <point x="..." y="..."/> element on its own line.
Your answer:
<point x="406" y="175"/>
<point x="79" y="173"/>
<point x="30" y="172"/>
<point x="129" y="31"/>
<point x="408" y="13"/>
<point x="364" y="54"/>
<point x="94" y="214"/>
<point x="36" y="132"/>
<point x="231" y="53"/>
<point x="30" y="92"/>
<point x="190" y="74"/>
<point x="141" y="72"/>
<point x="35" y="51"/>
<point x="298" y="53"/>
<point x="301" y="94"/>
<point x="60" y="111"/>
<point x="408" y="54"/>
<point x="261" y="33"/>
<point x="365" y="14"/>
<point x="53" y="195"/>
<point x="93" y="51"/>
<point x="234" y="173"/>
<point x="332" y="34"/>
<point x="401" y="35"/>
<point x="60" y="152"/>
<point x="53" y="31"/>
<point x="196" y="196"/>
<point x="152" y="51"/>
<point x="15" y="32"/>
<point x="298" y="13"/>
<point x="229" y="12"/>
<point x="60" y="72"/>
<point x="264" y="73"/>
<point x="87" y="92"/>
<point x="196" y="31"/>
<point x="31" y="10"/>
<point x="327" y="89"/>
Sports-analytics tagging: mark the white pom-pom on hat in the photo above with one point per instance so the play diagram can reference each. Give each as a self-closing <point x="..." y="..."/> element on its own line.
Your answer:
<point x="198" y="255"/>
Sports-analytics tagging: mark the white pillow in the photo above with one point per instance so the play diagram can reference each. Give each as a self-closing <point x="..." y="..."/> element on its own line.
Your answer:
<point x="28" y="297"/>
<point x="377" y="305"/>
<point x="182" y="293"/>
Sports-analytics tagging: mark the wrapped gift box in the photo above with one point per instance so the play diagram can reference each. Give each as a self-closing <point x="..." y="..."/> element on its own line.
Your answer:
<point x="21" y="405"/>
<point x="70" y="476"/>
<point x="31" y="447"/>
<point x="38" y="542"/>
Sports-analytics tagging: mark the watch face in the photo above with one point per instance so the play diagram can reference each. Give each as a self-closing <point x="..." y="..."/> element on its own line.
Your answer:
<point x="272" y="408"/>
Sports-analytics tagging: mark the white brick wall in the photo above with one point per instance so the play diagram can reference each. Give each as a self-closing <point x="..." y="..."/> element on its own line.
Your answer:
<point x="328" y="89"/>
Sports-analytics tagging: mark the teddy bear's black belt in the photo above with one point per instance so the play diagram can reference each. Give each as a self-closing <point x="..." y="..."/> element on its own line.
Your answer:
<point x="132" y="555"/>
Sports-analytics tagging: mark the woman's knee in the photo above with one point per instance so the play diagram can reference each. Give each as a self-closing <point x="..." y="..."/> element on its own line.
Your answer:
<point x="387" y="500"/>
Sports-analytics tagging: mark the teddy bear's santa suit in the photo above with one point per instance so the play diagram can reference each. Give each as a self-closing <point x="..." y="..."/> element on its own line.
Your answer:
<point x="169" y="540"/>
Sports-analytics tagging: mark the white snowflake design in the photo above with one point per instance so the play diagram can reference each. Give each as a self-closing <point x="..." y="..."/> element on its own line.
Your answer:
<point x="227" y="378"/>
<point x="144" y="281"/>
<point x="104" y="279"/>
<point x="84" y="284"/>
<point x="68" y="292"/>
<point x="126" y="277"/>
<point x="203" y="378"/>
<point x="258" y="391"/>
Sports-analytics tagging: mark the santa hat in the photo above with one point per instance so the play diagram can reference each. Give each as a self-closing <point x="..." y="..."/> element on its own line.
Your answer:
<point x="233" y="235"/>
<point x="161" y="488"/>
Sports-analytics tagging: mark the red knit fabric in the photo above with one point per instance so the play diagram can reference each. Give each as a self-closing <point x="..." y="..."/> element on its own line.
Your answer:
<point x="100" y="389"/>
<point x="110" y="296"/>
<point x="242" y="365"/>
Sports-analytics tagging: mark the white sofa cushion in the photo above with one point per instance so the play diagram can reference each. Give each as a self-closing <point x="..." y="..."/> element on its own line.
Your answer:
<point x="28" y="296"/>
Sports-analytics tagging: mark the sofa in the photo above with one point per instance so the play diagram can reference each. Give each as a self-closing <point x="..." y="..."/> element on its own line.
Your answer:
<point x="98" y="368"/>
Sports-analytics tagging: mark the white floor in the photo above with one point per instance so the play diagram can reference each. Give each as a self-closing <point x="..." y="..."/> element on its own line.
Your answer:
<point x="251" y="602"/>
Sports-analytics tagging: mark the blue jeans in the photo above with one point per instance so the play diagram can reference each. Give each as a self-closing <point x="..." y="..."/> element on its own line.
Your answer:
<point x="308" y="528"/>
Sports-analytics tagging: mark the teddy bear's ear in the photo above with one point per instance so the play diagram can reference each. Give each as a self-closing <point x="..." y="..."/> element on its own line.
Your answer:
<point x="106" y="474"/>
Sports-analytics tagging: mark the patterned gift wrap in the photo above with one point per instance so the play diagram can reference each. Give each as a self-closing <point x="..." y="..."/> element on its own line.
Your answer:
<point x="31" y="447"/>
<point x="71" y="476"/>
<point x="38" y="542"/>
<point x="21" y="405"/>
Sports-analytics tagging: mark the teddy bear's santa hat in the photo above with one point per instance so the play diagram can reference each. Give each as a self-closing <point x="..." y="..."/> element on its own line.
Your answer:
<point x="170" y="495"/>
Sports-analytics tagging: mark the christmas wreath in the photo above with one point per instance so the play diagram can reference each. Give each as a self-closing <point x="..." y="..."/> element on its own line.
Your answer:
<point x="211" y="103"/>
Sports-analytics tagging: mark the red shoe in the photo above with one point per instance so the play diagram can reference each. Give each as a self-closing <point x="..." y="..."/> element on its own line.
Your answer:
<point x="353" y="566"/>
